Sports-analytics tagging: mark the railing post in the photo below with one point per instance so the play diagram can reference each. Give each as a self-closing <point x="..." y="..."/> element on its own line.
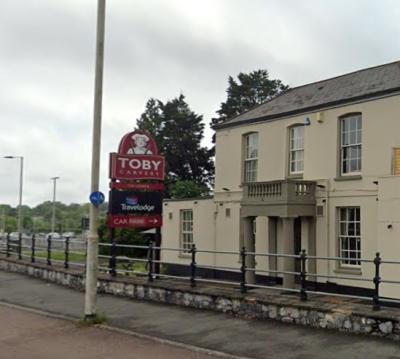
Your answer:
<point x="33" y="248"/>
<point x="66" y="253"/>
<point x="377" y="281"/>
<point x="113" y="254"/>
<point x="19" y="245"/>
<point x="113" y="259"/>
<point x="150" y="262"/>
<point x="303" y="275"/>
<point x="8" y="245"/>
<point x="49" y="250"/>
<point x="243" y="288"/>
<point x="193" y="266"/>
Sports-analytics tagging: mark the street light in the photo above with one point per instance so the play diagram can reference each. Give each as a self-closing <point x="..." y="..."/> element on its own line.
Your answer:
<point x="53" y="217"/>
<point x="21" y="174"/>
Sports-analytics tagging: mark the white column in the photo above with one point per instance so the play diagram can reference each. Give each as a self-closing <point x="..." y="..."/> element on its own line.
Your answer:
<point x="288" y="248"/>
<point x="312" y="244"/>
<point x="249" y="244"/>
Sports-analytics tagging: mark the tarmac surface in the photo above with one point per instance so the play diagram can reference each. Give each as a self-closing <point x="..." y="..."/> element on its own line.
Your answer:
<point x="203" y="329"/>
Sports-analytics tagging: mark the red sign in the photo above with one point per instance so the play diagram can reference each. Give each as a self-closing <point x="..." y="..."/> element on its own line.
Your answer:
<point x="121" y="221"/>
<point x="135" y="167"/>
<point x="138" y="186"/>
<point x="137" y="143"/>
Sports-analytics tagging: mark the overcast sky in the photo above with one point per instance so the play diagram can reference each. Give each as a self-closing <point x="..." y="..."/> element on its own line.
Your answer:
<point x="156" y="48"/>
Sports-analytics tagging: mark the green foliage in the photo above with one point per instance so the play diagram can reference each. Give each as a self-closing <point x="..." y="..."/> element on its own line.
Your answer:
<point x="188" y="189"/>
<point x="246" y="92"/>
<point x="179" y="132"/>
<point x="10" y="224"/>
<point x="122" y="236"/>
<point x="38" y="219"/>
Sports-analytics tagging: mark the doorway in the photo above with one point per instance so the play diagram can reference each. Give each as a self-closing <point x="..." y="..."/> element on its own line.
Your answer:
<point x="297" y="242"/>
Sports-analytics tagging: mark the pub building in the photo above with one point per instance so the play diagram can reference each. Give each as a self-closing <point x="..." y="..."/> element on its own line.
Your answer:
<point x="316" y="168"/>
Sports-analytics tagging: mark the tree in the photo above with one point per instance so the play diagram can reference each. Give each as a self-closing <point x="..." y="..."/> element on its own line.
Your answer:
<point x="152" y="120"/>
<point x="179" y="132"/>
<point x="246" y="92"/>
<point x="188" y="189"/>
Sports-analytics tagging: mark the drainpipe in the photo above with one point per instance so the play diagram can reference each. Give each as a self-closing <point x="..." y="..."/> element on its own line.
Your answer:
<point x="215" y="236"/>
<point x="328" y="247"/>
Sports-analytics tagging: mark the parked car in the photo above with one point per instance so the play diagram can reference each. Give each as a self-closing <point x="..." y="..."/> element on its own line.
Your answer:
<point x="14" y="235"/>
<point x="68" y="235"/>
<point x="53" y="235"/>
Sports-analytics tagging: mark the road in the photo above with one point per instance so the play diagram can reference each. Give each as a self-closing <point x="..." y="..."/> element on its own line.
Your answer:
<point x="205" y="329"/>
<point x="25" y="335"/>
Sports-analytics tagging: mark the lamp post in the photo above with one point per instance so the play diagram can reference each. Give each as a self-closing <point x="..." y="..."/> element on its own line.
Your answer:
<point x="53" y="217"/>
<point x="21" y="175"/>
<point x="93" y="238"/>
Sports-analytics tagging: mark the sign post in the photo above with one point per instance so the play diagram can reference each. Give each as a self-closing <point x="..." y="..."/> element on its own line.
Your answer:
<point x="135" y="199"/>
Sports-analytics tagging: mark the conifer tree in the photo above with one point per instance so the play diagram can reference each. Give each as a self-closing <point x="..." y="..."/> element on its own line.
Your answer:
<point x="179" y="132"/>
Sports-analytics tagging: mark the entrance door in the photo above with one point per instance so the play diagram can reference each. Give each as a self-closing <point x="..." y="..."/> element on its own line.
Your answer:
<point x="297" y="242"/>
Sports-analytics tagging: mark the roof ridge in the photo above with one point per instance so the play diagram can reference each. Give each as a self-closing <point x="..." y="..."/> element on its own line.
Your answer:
<point x="293" y="89"/>
<point x="258" y="105"/>
<point x="346" y="74"/>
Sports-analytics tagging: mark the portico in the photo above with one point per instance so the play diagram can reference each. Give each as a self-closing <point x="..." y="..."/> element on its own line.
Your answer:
<point x="289" y="206"/>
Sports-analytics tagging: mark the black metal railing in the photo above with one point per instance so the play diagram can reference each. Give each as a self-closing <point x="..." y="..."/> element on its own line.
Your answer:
<point x="58" y="251"/>
<point x="45" y="249"/>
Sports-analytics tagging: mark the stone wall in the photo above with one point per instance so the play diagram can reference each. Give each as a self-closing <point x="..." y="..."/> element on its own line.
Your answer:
<point x="319" y="311"/>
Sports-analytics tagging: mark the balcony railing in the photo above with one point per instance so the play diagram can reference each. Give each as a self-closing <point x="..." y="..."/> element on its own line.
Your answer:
<point x="280" y="192"/>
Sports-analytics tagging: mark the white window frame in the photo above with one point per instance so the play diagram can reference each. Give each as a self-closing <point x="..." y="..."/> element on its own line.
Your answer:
<point x="296" y="148"/>
<point x="349" y="230"/>
<point x="186" y="230"/>
<point x="250" y="162"/>
<point x="351" y="140"/>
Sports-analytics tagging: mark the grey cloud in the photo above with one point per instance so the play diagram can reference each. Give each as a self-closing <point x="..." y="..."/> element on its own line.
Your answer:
<point x="157" y="48"/>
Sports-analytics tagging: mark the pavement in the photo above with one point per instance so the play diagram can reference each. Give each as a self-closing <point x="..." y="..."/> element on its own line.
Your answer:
<point x="29" y="335"/>
<point x="195" y="328"/>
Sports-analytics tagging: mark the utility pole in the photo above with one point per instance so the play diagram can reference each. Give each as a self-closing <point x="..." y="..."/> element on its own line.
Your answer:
<point x="53" y="217"/>
<point x="93" y="238"/>
<point x="4" y="220"/>
<point x="21" y="176"/>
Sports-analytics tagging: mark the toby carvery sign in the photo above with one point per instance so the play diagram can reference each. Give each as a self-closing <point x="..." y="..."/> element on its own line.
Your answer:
<point x="137" y="158"/>
<point x="135" y="202"/>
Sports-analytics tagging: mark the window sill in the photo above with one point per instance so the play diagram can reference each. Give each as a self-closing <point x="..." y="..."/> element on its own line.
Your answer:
<point x="351" y="271"/>
<point x="295" y="176"/>
<point x="348" y="178"/>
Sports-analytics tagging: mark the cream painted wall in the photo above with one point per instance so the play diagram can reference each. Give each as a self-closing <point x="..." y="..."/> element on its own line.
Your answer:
<point x="203" y="230"/>
<point x="228" y="233"/>
<point x="389" y="232"/>
<point x="381" y="132"/>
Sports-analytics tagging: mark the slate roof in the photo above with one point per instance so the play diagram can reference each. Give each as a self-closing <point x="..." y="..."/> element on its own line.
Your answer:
<point x="359" y="85"/>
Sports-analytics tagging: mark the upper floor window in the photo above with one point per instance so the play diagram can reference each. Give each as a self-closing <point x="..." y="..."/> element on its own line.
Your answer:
<point x="350" y="144"/>
<point x="296" y="150"/>
<point x="250" y="157"/>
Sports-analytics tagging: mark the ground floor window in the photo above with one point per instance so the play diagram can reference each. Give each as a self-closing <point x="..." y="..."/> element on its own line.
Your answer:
<point x="350" y="236"/>
<point x="186" y="230"/>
